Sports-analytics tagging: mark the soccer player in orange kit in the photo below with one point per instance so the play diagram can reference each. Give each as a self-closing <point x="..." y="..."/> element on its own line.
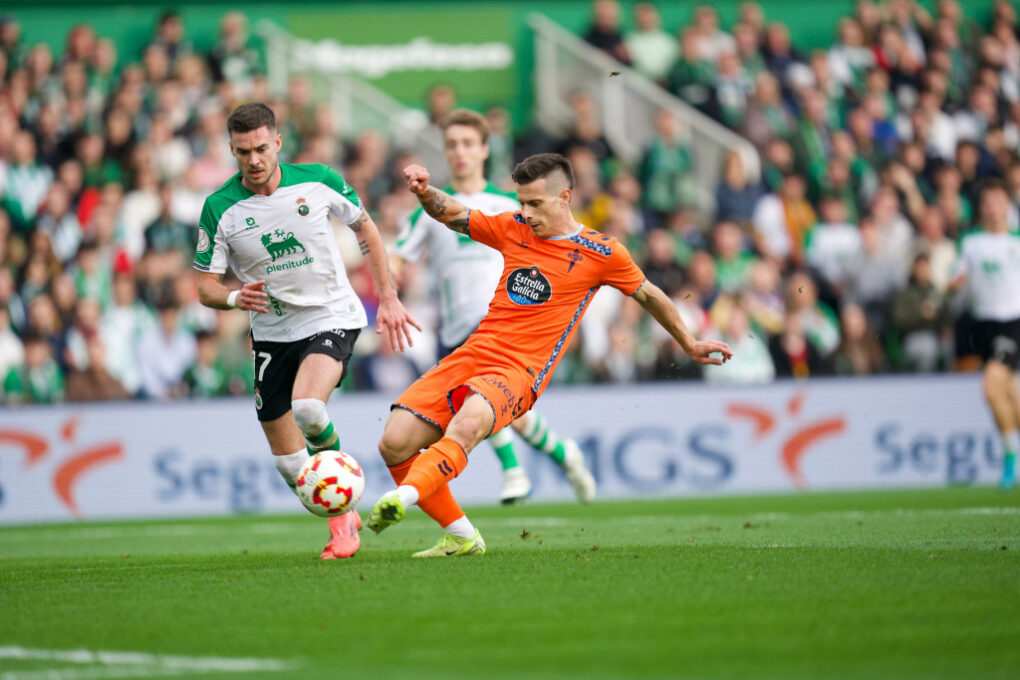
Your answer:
<point x="552" y="269"/>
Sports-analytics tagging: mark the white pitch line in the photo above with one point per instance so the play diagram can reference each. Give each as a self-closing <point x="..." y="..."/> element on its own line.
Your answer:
<point x="530" y="521"/>
<point x="102" y="533"/>
<point x="107" y="663"/>
<point x="91" y="673"/>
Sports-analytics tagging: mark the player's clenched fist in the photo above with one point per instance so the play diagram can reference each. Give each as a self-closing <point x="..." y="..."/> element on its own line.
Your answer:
<point x="417" y="178"/>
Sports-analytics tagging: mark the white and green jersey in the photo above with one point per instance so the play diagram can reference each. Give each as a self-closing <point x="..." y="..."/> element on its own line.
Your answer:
<point x="992" y="265"/>
<point x="465" y="272"/>
<point x="287" y="240"/>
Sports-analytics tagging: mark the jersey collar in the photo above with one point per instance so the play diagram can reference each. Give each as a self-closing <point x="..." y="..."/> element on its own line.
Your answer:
<point x="240" y="183"/>
<point x="565" y="236"/>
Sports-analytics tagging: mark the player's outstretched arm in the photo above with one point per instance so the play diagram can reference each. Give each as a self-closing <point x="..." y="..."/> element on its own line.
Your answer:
<point x="438" y="204"/>
<point x="392" y="319"/>
<point x="662" y="309"/>
<point x="251" y="297"/>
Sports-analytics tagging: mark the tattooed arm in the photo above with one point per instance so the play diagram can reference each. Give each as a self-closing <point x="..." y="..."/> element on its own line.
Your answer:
<point x="439" y="205"/>
<point x="392" y="318"/>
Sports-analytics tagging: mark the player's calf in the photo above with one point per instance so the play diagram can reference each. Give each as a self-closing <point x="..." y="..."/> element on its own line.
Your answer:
<point x="312" y="418"/>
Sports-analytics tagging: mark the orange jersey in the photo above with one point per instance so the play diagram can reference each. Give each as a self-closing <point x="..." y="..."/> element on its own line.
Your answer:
<point x="544" y="290"/>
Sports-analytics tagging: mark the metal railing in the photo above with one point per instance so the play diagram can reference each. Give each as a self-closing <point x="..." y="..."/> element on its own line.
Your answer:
<point x="627" y="102"/>
<point x="355" y="105"/>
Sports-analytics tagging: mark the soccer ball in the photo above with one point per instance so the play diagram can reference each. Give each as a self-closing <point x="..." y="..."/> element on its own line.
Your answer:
<point x="330" y="483"/>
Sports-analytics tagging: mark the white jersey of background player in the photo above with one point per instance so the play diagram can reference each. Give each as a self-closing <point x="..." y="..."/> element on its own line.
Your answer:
<point x="270" y="225"/>
<point x="989" y="267"/>
<point x="466" y="274"/>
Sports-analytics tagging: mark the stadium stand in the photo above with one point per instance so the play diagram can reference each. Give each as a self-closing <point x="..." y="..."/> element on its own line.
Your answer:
<point x="835" y="262"/>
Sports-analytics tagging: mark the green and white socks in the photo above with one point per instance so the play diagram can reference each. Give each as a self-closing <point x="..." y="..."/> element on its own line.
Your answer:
<point x="327" y="439"/>
<point x="537" y="433"/>
<point x="289" y="465"/>
<point x="319" y="433"/>
<point x="312" y="418"/>
<point x="503" y="443"/>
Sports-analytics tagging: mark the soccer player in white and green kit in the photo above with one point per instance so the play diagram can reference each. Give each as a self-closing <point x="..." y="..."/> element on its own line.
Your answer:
<point x="270" y="224"/>
<point x="466" y="274"/>
<point x="989" y="266"/>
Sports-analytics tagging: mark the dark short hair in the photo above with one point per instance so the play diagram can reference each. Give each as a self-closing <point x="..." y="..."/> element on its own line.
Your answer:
<point x="542" y="165"/>
<point x="251" y="116"/>
<point x="469" y="119"/>
<point x="992" y="184"/>
<point x="168" y="15"/>
<point x="33" y="336"/>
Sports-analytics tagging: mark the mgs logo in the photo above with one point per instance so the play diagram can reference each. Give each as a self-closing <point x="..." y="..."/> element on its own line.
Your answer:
<point x="279" y="244"/>
<point x="528" y="286"/>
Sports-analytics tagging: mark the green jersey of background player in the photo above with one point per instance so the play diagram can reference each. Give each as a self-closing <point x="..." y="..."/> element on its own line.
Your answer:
<point x="466" y="274"/>
<point x="270" y="224"/>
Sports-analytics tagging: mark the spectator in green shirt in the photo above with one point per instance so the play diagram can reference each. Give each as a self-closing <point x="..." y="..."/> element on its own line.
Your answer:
<point x="732" y="259"/>
<point x="665" y="170"/>
<point x="39" y="379"/>
<point x="690" y="78"/>
<point x="207" y="376"/>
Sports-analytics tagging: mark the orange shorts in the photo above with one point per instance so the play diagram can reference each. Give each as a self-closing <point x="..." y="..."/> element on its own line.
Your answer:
<point x="438" y="395"/>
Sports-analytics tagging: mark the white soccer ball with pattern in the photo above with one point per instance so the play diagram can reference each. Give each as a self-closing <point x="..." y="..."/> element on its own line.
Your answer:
<point x="330" y="483"/>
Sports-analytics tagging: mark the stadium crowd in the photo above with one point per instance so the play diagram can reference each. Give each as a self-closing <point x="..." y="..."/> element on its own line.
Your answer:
<point x="836" y="261"/>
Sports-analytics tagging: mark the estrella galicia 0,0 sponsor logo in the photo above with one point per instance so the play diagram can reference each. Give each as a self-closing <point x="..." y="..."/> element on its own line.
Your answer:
<point x="528" y="286"/>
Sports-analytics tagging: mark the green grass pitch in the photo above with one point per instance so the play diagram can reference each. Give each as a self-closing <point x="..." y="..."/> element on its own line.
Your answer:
<point x="905" y="584"/>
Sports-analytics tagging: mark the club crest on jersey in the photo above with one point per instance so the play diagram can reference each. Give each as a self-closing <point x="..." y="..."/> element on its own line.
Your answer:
<point x="303" y="208"/>
<point x="575" y="257"/>
<point x="279" y="244"/>
<point x="528" y="286"/>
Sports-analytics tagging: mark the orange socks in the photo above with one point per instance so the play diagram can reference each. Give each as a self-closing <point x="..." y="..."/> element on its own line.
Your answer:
<point x="440" y="505"/>
<point x="435" y="466"/>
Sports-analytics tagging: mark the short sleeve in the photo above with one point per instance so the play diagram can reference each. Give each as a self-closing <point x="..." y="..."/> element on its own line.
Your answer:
<point x="211" y="251"/>
<point x="414" y="231"/>
<point x="345" y="204"/>
<point x="492" y="230"/>
<point x="621" y="272"/>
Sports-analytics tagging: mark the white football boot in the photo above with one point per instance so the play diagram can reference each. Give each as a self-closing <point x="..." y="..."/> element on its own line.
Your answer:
<point x="516" y="486"/>
<point x="577" y="472"/>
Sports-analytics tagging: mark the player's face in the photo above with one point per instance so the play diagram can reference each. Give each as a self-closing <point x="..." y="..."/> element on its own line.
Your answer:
<point x="465" y="152"/>
<point x="542" y="205"/>
<point x="256" y="153"/>
<point x="994" y="208"/>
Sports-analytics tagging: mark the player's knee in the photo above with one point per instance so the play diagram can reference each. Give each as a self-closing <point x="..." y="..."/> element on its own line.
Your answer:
<point x="393" y="446"/>
<point x="468" y="429"/>
<point x="310" y="415"/>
